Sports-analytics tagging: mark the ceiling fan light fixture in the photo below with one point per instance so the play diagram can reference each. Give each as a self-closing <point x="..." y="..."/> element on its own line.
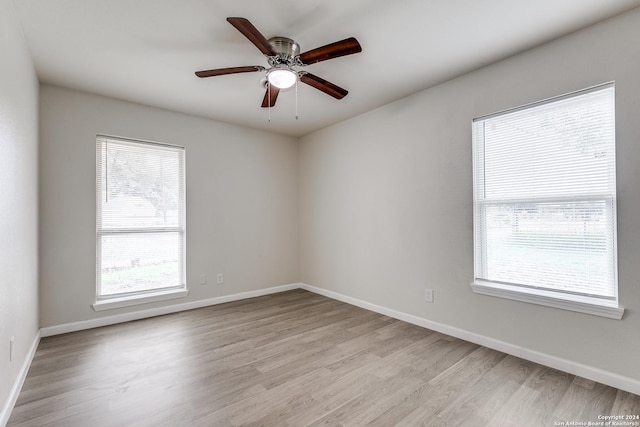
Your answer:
<point x="283" y="56"/>
<point x="282" y="78"/>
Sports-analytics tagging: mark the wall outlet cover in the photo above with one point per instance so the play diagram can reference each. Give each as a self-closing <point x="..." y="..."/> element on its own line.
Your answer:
<point x="428" y="295"/>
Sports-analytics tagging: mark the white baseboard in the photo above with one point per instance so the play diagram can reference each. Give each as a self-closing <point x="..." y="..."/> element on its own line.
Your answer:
<point x="17" y="385"/>
<point x="595" y="374"/>
<point x="159" y="311"/>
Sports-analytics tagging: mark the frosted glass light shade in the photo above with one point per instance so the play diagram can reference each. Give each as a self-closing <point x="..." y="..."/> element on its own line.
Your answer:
<point x="282" y="78"/>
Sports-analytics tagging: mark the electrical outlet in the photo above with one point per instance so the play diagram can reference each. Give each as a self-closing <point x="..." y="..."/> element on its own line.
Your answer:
<point x="203" y="279"/>
<point x="220" y="279"/>
<point x="11" y="340"/>
<point x="428" y="295"/>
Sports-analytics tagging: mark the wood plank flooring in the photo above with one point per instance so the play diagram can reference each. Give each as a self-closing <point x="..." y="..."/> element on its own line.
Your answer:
<point x="295" y="359"/>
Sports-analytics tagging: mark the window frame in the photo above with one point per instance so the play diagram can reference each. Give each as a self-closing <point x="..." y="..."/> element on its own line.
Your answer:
<point x="124" y="299"/>
<point x="579" y="302"/>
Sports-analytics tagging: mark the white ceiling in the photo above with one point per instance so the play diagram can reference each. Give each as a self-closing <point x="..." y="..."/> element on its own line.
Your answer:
<point x="146" y="51"/>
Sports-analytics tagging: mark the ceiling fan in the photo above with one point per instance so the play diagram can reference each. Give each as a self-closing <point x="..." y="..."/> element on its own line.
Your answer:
<point x="283" y="55"/>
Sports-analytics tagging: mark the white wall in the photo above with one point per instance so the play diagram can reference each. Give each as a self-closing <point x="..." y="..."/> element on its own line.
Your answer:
<point x="386" y="200"/>
<point x="241" y="201"/>
<point x="18" y="201"/>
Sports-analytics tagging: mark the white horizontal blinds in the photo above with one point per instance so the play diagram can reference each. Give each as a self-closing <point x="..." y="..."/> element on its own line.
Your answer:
<point x="141" y="185"/>
<point x="140" y="217"/>
<point x="563" y="148"/>
<point x="545" y="195"/>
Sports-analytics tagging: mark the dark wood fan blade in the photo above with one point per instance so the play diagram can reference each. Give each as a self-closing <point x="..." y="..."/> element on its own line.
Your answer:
<point x="323" y="85"/>
<point x="249" y="31"/>
<point x="270" y="98"/>
<point x="334" y="50"/>
<point x="232" y="70"/>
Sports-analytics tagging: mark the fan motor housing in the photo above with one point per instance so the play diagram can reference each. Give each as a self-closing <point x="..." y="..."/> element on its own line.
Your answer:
<point x="287" y="50"/>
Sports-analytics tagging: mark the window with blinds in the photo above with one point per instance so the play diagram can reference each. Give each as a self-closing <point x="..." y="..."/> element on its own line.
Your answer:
<point x="545" y="198"/>
<point x="140" y="226"/>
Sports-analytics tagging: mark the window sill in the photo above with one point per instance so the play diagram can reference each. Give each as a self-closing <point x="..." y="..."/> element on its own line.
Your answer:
<point x="549" y="299"/>
<point x="129" y="300"/>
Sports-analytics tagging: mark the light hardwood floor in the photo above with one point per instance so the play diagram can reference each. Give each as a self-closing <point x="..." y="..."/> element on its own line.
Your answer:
<point x="295" y="359"/>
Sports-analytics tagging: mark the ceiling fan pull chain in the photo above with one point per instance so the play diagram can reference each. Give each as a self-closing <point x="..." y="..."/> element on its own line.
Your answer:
<point x="296" y="98"/>
<point x="269" y="95"/>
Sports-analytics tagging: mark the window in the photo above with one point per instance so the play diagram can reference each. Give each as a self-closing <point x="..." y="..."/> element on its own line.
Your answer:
<point x="140" y="224"/>
<point x="545" y="203"/>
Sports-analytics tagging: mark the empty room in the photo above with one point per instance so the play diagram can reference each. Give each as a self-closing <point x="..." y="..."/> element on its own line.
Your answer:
<point x="305" y="213"/>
